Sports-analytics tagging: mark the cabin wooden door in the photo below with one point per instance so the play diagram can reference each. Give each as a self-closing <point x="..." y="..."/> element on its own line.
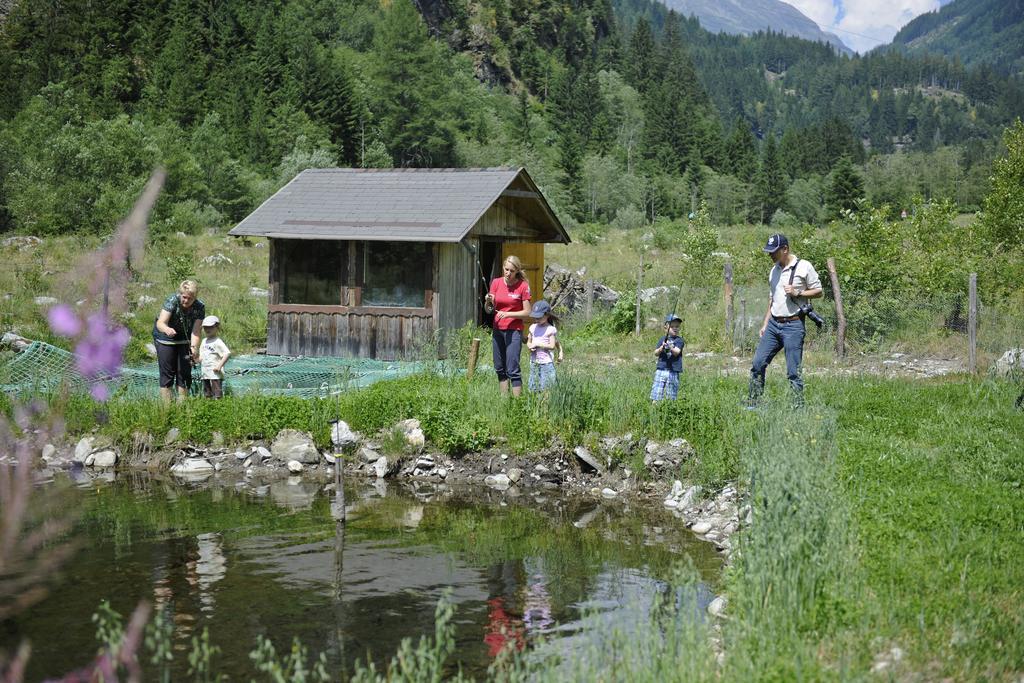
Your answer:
<point x="532" y="256"/>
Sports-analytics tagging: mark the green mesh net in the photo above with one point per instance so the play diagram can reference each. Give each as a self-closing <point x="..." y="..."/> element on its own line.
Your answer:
<point x="42" y="367"/>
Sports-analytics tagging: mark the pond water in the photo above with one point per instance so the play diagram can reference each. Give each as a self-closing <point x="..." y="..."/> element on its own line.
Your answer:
<point x="246" y="559"/>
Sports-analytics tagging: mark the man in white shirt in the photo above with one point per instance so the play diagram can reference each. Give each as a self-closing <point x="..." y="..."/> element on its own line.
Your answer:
<point x="792" y="282"/>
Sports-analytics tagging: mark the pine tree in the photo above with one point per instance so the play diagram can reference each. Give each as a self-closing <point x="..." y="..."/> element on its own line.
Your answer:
<point x="640" y="68"/>
<point x="769" y="183"/>
<point x="845" y="189"/>
<point x="521" y="122"/>
<point x="741" y="151"/>
<point x="570" y="162"/>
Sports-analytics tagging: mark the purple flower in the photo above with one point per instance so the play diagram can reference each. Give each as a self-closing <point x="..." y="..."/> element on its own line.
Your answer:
<point x="100" y="351"/>
<point x="100" y="391"/>
<point x="63" y="321"/>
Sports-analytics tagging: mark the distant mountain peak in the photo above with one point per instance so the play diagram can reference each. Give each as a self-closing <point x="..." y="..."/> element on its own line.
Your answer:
<point x="750" y="16"/>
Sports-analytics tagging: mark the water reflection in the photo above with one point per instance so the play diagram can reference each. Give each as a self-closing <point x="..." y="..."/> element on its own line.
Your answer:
<point x="249" y="558"/>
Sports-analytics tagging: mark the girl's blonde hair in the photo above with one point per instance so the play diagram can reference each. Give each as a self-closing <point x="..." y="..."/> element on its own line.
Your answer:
<point x="189" y="286"/>
<point x="517" y="264"/>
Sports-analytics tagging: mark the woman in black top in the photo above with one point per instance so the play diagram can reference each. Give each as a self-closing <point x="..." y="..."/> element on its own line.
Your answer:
<point x="176" y="337"/>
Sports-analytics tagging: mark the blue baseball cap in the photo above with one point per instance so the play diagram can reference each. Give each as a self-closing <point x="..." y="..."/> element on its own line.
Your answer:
<point x="776" y="242"/>
<point x="539" y="309"/>
<point x="671" y="318"/>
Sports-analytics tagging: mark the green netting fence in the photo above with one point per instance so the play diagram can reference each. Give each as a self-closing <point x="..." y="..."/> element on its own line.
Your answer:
<point x="42" y="368"/>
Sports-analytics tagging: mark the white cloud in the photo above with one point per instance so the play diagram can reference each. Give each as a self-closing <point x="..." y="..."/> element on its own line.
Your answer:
<point x="863" y="24"/>
<point x="822" y="12"/>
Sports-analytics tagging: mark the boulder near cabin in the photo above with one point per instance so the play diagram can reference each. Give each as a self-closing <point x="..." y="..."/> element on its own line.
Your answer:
<point x="372" y="263"/>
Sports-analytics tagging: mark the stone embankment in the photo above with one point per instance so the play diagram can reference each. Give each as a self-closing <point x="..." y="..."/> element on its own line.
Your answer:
<point x="614" y="468"/>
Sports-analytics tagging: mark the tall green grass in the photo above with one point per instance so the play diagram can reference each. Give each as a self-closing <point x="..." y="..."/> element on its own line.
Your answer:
<point x="796" y="588"/>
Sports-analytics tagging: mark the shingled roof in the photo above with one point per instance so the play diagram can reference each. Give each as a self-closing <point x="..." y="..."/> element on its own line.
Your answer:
<point x="412" y="205"/>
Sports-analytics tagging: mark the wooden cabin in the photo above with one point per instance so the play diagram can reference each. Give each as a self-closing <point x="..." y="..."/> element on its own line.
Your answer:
<point x="370" y="263"/>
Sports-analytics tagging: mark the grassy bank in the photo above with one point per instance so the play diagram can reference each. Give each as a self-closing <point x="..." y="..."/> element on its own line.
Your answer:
<point x="887" y="514"/>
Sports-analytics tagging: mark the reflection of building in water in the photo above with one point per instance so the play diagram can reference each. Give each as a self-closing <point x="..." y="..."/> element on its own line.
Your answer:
<point x="208" y="568"/>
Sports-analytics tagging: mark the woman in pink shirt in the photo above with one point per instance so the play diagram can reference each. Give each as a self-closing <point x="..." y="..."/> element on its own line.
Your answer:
<point x="509" y="298"/>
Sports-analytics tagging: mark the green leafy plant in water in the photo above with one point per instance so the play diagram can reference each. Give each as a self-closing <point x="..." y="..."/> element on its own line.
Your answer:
<point x="158" y="641"/>
<point x="424" y="661"/>
<point x="200" y="658"/>
<point x="292" y="668"/>
<point x="109" y="627"/>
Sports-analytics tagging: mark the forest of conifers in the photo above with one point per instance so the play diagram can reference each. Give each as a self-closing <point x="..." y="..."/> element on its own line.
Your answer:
<point x="622" y="111"/>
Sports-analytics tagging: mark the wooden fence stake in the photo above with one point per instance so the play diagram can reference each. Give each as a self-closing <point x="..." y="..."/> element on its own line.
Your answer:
<point x="474" y="351"/>
<point x="728" y="299"/>
<point x="639" y="284"/>
<point x="840" y="315"/>
<point x="743" y="316"/>
<point x="588" y="302"/>
<point x="972" y="324"/>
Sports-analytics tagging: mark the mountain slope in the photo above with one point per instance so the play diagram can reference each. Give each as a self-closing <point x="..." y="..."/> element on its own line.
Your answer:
<point x="750" y="16"/>
<point x="977" y="31"/>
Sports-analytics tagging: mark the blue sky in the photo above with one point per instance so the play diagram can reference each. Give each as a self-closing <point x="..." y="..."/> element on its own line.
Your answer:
<point x="863" y="24"/>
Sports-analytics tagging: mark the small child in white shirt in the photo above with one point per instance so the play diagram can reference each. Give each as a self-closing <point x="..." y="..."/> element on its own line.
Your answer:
<point x="213" y="354"/>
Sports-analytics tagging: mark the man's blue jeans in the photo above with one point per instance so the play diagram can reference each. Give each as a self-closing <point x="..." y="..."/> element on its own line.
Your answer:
<point x="788" y="336"/>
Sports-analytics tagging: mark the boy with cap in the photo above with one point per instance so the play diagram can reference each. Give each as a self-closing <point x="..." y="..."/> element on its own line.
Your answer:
<point x="213" y="354"/>
<point x="670" y="361"/>
<point x="791" y="283"/>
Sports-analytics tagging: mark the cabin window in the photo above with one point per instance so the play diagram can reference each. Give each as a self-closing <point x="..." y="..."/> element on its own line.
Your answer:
<point x="311" y="272"/>
<point x="395" y="274"/>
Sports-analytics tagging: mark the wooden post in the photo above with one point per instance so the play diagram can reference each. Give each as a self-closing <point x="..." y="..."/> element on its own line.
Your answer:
<point x="639" y="284"/>
<point x="474" y="350"/>
<point x="588" y="302"/>
<point x="728" y="299"/>
<point x="972" y="324"/>
<point x="743" y="316"/>
<point x="338" y="509"/>
<point x="840" y="315"/>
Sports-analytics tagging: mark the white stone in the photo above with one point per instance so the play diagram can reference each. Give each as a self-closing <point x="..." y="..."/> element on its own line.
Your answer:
<point x="515" y="474"/>
<point x="247" y="463"/>
<point x="690" y="497"/>
<point x="381" y="466"/>
<point x="701" y="528"/>
<point x="84" y="448"/>
<point x="584" y="456"/>
<point x="342" y="435"/>
<point x="717" y="606"/>
<point x="45" y="301"/>
<point x="499" y="481"/>
<point x="150" y="349"/>
<point x="1012" y="360"/>
<point x="49" y="451"/>
<point x="263" y="453"/>
<point x="172" y="436"/>
<point x="442" y="472"/>
<point x="416" y="439"/>
<point x="294" y="466"/>
<point x="677" y="489"/>
<point x="609" y="493"/>
<point x="257" y="292"/>
<point x="190" y="465"/>
<point x="408" y="425"/>
<point x="367" y="454"/>
<point x="671" y="503"/>
<point x="291" y="444"/>
<point x="542" y="469"/>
